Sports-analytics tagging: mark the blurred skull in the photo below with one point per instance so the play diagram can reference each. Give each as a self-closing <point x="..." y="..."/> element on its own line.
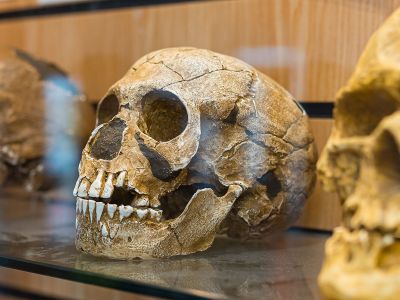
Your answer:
<point x="362" y="163"/>
<point x="44" y="121"/>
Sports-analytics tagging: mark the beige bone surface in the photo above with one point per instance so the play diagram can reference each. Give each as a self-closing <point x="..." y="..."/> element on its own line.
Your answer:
<point x="190" y="143"/>
<point x="361" y="162"/>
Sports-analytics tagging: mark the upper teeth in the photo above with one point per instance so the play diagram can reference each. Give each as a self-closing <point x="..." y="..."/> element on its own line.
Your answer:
<point x="141" y="201"/>
<point x="100" y="188"/>
<point x="103" y="187"/>
<point x="120" y="179"/>
<point x="83" y="188"/>
<point x="108" y="188"/>
<point x="78" y="182"/>
<point x="95" y="188"/>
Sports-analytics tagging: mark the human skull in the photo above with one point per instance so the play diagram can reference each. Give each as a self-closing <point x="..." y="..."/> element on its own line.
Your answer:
<point x="362" y="163"/>
<point x="183" y="137"/>
<point x="41" y="122"/>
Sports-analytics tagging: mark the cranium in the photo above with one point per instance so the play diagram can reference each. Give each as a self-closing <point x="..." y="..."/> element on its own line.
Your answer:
<point x="362" y="163"/>
<point x="183" y="137"/>
<point x="41" y="122"/>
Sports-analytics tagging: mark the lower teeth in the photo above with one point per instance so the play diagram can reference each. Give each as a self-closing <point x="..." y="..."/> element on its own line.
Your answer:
<point x="125" y="211"/>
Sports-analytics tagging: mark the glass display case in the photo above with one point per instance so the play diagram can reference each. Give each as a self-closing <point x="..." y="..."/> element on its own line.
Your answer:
<point x="39" y="237"/>
<point x="62" y="65"/>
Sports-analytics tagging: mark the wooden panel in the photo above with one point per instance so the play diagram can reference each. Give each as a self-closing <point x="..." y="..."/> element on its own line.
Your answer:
<point x="322" y="210"/>
<point x="7" y="5"/>
<point x="310" y="47"/>
<point x="59" y="288"/>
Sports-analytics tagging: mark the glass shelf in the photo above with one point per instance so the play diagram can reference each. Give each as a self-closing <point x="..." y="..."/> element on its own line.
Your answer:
<point x="37" y="235"/>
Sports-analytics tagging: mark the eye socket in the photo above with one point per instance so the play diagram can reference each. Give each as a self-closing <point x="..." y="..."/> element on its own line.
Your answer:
<point x="387" y="156"/>
<point x="6" y="101"/>
<point x="4" y="106"/>
<point x="359" y="113"/>
<point x="107" y="109"/>
<point x="163" y="116"/>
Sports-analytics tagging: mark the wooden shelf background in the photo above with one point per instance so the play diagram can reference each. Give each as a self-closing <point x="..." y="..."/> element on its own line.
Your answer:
<point x="310" y="47"/>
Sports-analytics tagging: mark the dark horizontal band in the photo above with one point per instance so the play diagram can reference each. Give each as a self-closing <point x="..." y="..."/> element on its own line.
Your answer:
<point x="322" y="110"/>
<point x="20" y="294"/>
<point x="68" y="8"/>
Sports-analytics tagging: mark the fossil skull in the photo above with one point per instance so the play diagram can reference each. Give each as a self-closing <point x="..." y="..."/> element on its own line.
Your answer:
<point x="41" y="122"/>
<point x="362" y="163"/>
<point x="183" y="137"/>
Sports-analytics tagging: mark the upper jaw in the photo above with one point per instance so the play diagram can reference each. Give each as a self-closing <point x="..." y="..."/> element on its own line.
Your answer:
<point x="105" y="186"/>
<point x="99" y="195"/>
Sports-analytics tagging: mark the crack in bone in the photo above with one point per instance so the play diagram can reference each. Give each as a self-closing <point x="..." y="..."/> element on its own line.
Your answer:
<point x="204" y="74"/>
<point x="168" y="67"/>
<point x="176" y="236"/>
<point x="235" y="94"/>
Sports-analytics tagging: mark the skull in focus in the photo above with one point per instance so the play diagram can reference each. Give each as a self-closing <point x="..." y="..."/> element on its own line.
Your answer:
<point x="190" y="143"/>
<point x="362" y="163"/>
<point x="42" y="128"/>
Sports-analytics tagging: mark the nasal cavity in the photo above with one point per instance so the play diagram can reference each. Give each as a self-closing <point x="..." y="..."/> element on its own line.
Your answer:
<point x="108" y="140"/>
<point x="163" y="116"/>
<point x="107" y="109"/>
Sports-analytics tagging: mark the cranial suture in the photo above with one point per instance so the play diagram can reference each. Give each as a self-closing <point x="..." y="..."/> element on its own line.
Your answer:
<point x="188" y="144"/>
<point x="361" y="162"/>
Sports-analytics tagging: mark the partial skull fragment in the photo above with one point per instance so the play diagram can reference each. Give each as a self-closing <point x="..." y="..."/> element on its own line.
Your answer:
<point x="361" y="162"/>
<point x="44" y="122"/>
<point x="188" y="144"/>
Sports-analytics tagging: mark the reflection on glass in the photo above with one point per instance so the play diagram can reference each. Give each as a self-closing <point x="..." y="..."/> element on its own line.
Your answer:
<point x="285" y="268"/>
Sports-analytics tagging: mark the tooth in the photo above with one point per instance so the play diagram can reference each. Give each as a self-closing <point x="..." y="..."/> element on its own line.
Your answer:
<point x="111" y="208"/>
<point x="141" y="200"/>
<point x="95" y="188"/>
<point x="84" y="206"/>
<point x="155" y="214"/>
<point x="104" y="231"/>
<point x="363" y="236"/>
<point x="83" y="188"/>
<point x="387" y="240"/>
<point x="76" y="222"/>
<point x="92" y="205"/>
<point x="78" y="182"/>
<point x="80" y="205"/>
<point x="108" y="188"/>
<point x="99" y="210"/>
<point x="113" y="230"/>
<point x="77" y="205"/>
<point x="125" y="211"/>
<point x="121" y="179"/>
<point x="154" y="203"/>
<point x="141" y="213"/>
